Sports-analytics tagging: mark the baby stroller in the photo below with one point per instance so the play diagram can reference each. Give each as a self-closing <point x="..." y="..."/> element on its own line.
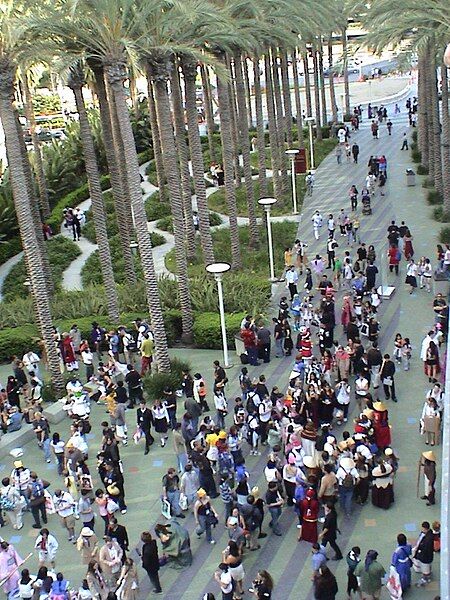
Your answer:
<point x="367" y="209"/>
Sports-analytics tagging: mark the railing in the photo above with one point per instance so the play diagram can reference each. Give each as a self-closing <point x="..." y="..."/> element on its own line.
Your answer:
<point x="445" y="484"/>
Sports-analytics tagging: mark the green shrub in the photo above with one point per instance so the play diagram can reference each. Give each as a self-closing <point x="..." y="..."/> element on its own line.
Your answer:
<point x="155" y="384"/>
<point x="422" y="170"/>
<point x="215" y="219"/>
<point x="155" y="209"/>
<point x="61" y="252"/>
<point x="17" y="341"/>
<point x="414" y="135"/>
<point x="416" y="156"/>
<point x="444" y="235"/>
<point x="166" y="224"/>
<point x="439" y="215"/>
<point x="434" y="197"/>
<point x="9" y="249"/>
<point x="207" y="332"/>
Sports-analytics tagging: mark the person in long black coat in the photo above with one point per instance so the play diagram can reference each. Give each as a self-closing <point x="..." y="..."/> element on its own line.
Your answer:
<point x="150" y="560"/>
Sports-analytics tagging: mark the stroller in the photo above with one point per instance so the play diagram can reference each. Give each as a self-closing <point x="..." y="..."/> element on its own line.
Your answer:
<point x="367" y="209"/>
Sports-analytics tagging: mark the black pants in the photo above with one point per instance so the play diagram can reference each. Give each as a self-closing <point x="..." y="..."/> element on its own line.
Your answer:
<point x="391" y="269"/>
<point x="404" y="145"/>
<point x="389" y="390"/>
<point x="35" y="510"/>
<point x="135" y="395"/>
<point x="354" y="201"/>
<point x="355" y="158"/>
<point x="332" y="542"/>
<point x="331" y="259"/>
<point x="154" y="578"/>
<point x="293" y="290"/>
<point x="149" y="439"/>
<point x="265" y="352"/>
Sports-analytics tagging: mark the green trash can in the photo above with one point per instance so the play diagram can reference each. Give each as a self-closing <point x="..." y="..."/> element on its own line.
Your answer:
<point x="410" y="178"/>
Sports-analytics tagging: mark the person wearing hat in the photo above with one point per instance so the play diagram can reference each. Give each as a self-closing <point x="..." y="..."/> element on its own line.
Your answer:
<point x="110" y="559"/>
<point x="205" y="515"/>
<point x="423" y="554"/>
<point x="309" y="512"/>
<point x="381" y="427"/>
<point x="347" y="476"/>
<point x="20" y="478"/>
<point x="383" y="486"/>
<point x="428" y="464"/>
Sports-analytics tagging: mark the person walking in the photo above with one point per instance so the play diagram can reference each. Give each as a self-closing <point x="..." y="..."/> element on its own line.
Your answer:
<point x="171" y="491"/>
<point x="274" y="502"/>
<point x="317" y="221"/>
<point x="325" y="584"/>
<point x="387" y="373"/>
<point x="87" y="545"/>
<point x="150" y="560"/>
<point x="205" y="515"/>
<point x="12" y="503"/>
<point x="110" y="559"/>
<point x="370" y="574"/>
<point x="47" y="545"/>
<point x="128" y="583"/>
<point x="423" y="554"/>
<point x="404" y="142"/>
<point x="37" y="500"/>
<point x="353" y="558"/>
<point x="328" y="534"/>
<point x="145" y="421"/>
<point x="331" y="252"/>
<point x="64" y="506"/>
<point x="147" y="348"/>
<point x="347" y="477"/>
<point x="401" y="560"/>
<point x="42" y="431"/>
<point x="355" y="152"/>
<point x="291" y="281"/>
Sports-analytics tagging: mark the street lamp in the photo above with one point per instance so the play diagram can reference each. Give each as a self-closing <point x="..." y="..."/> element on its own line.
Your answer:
<point x="27" y="284"/>
<point x="310" y="121"/>
<point x="218" y="269"/>
<point x="292" y="154"/>
<point x="134" y="246"/>
<point x="343" y="107"/>
<point x="266" y="203"/>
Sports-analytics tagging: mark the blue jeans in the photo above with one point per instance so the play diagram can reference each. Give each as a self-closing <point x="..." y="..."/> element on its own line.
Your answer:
<point x="46" y="449"/>
<point x="275" y="513"/>
<point x="345" y="499"/>
<point x="182" y="461"/>
<point x="279" y="347"/>
<point x="174" y="498"/>
<point x="204" y="525"/>
<point x="252" y="355"/>
<point x="220" y="419"/>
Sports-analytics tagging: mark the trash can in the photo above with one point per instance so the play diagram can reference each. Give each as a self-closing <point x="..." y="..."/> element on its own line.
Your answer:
<point x="441" y="282"/>
<point x="410" y="178"/>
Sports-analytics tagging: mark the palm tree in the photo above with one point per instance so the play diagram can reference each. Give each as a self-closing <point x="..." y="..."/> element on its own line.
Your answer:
<point x="245" y="148"/>
<point x="260" y="132"/>
<point x="119" y="186"/>
<point x="446" y="141"/>
<point x="12" y="44"/>
<point x="334" y="111"/>
<point x="156" y="143"/>
<point x="345" y="67"/>
<point x="209" y="112"/>
<point x="316" y="93"/>
<point x="323" y="99"/>
<point x="189" y="66"/>
<point x="75" y="82"/>
<point x="298" y="101"/>
<point x="304" y="56"/>
<point x="160" y="63"/>
<point x="183" y="157"/>
<point x="248" y="93"/>
<point x="38" y="165"/>
<point x="286" y="95"/>
<point x="273" y="137"/>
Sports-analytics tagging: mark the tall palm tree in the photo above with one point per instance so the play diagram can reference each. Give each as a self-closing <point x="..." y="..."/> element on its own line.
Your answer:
<point x="316" y="94"/>
<point x="209" y="111"/>
<point x="248" y="94"/>
<point x="446" y="141"/>
<point x="119" y="185"/>
<point x="334" y="111"/>
<point x="260" y="131"/>
<point x="189" y="65"/>
<point x="273" y="136"/>
<point x="44" y="204"/>
<point x="307" y="82"/>
<point x="76" y="81"/>
<point x="298" y="101"/>
<point x="286" y="95"/>
<point x="183" y="156"/>
<point x="323" y="98"/>
<point x="13" y="43"/>
<point x="156" y="142"/>
<point x="245" y="147"/>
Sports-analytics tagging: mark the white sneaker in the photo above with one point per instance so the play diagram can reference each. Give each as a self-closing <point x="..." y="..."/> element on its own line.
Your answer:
<point x="212" y="542"/>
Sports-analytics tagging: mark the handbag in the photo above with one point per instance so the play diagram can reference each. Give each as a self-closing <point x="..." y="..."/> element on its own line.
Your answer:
<point x="165" y="508"/>
<point x="387" y="381"/>
<point x="183" y="502"/>
<point x="393" y="585"/>
<point x="113" y="489"/>
<point x="111" y="506"/>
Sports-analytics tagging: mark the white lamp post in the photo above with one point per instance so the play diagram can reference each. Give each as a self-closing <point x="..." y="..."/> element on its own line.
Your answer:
<point x="218" y="269"/>
<point x="134" y="246"/>
<point x="310" y="121"/>
<point x="267" y="203"/>
<point x="292" y="154"/>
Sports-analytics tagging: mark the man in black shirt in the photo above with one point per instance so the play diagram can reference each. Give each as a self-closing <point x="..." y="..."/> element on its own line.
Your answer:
<point x="263" y="336"/>
<point x="274" y="503"/>
<point x="329" y="531"/>
<point x="371" y="276"/>
<point x="121" y="393"/>
<point x="145" y="420"/>
<point x="119" y="533"/>
<point x="352" y="330"/>
<point x="387" y="377"/>
<point x="134" y="382"/>
<point x="393" y="234"/>
<point x="278" y="337"/>
<point x="220" y="377"/>
<point x="324" y="284"/>
<point x="362" y="256"/>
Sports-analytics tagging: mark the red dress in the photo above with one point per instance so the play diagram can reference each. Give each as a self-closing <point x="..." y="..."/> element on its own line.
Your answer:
<point x="309" y="510"/>
<point x="381" y="428"/>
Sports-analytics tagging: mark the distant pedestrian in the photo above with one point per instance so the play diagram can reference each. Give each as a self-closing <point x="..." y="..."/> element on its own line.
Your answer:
<point x="405" y="142"/>
<point x="370" y="575"/>
<point x="355" y="152"/>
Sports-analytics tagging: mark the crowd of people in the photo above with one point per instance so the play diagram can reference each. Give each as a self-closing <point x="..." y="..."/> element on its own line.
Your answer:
<point x="325" y="434"/>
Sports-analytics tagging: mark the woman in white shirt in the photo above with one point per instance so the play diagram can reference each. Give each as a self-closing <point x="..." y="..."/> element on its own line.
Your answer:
<point x="430" y="421"/>
<point x="411" y="275"/>
<point x="160" y="420"/>
<point x="426" y="273"/>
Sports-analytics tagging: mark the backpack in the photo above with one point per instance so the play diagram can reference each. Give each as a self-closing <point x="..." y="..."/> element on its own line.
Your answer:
<point x="250" y="406"/>
<point x="347" y="482"/>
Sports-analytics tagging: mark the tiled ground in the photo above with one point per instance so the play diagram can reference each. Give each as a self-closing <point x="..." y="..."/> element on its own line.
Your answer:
<point x="284" y="557"/>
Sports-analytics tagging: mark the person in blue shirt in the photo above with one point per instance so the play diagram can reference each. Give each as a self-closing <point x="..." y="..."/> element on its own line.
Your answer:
<point x="15" y="420"/>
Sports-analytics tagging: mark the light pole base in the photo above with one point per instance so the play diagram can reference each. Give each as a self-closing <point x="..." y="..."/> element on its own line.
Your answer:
<point x="228" y="366"/>
<point x="274" y="279"/>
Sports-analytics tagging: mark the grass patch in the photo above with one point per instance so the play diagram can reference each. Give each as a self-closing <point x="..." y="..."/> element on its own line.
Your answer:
<point x="254" y="261"/>
<point x="166" y="223"/>
<point x="61" y="252"/>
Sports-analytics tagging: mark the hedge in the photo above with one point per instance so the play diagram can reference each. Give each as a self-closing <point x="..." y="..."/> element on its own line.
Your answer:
<point x="9" y="249"/>
<point x="18" y="340"/>
<point x="207" y="332"/>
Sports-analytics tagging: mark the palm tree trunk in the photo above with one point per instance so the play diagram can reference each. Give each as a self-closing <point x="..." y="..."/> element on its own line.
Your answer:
<point x="198" y="167"/>
<point x="317" y="96"/>
<point x="183" y="156"/>
<point x="286" y="96"/>
<point x="345" y="61"/>
<point x="248" y="93"/>
<point x="160" y="71"/>
<point x="156" y="143"/>
<point x="27" y="225"/>
<point x="234" y="123"/>
<point x="116" y="75"/>
<point x="307" y="84"/>
<point x="121" y="203"/>
<point x="298" y="101"/>
<point x="331" y="80"/>
<point x="431" y="80"/>
<point x="323" y="98"/>
<point x="38" y="167"/>
<point x="260" y="135"/>
<point x="436" y="131"/>
<point x="134" y="93"/>
<point x="280" y="122"/>
<point x="245" y="148"/>
<point x="445" y="141"/>
<point x="227" y="154"/>
<point x="209" y="113"/>
<point x="98" y="209"/>
<point x="422" y="121"/>
<point x="273" y="138"/>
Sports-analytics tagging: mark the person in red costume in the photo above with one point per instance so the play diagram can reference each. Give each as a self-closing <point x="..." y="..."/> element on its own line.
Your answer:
<point x="381" y="427"/>
<point x="309" y="508"/>
<point x="69" y="353"/>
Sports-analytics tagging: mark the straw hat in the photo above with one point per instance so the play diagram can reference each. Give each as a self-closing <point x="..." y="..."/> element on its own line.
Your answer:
<point x="388" y="451"/>
<point x="201" y="493"/>
<point x="368" y="412"/>
<point x="429" y="455"/>
<point x="86" y="532"/>
<point x="255" y="492"/>
<point x="342" y="445"/>
<point x="380" y="406"/>
<point x="328" y="448"/>
<point x="309" y="462"/>
<point x="222" y="435"/>
<point x="347" y="463"/>
<point x="18" y="464"/>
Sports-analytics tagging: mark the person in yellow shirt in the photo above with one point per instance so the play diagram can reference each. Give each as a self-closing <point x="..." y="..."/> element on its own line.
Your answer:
<point x="146" y="354"/>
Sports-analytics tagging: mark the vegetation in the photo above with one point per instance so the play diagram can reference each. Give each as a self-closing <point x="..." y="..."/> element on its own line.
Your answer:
<point x="166" y="224"/>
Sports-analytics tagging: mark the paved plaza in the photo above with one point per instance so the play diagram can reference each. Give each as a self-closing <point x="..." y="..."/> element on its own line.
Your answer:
<point x="369" y="527"/>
